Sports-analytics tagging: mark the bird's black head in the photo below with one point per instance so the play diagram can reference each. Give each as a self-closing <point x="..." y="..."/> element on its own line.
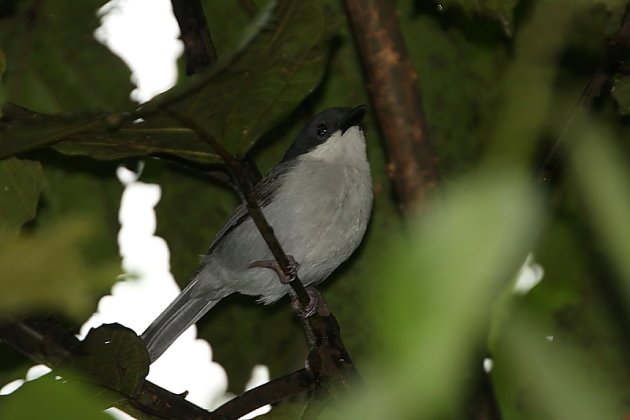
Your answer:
<point x="322" y="126"/>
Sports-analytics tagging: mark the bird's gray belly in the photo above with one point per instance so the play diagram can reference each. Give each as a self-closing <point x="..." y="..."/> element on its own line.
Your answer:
<point x="319" y="231"/>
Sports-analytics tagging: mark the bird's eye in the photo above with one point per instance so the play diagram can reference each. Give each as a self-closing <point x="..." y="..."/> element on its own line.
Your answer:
<point x="322" y="130"/>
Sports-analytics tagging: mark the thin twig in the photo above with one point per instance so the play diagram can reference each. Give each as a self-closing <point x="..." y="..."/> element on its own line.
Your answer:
<point x="392" y="84"/>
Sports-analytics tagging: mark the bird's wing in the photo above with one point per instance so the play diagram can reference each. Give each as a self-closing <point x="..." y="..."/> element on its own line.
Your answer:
<point x="263" y="192"/>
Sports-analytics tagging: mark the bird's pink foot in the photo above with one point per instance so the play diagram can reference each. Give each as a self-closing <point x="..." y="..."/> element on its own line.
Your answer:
<point x="273" y="265"/>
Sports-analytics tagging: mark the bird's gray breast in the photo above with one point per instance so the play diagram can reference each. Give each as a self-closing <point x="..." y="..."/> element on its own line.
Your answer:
<point x="319" y="215"/>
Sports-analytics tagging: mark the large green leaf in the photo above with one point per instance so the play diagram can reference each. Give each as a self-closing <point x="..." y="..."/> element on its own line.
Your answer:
<point x="236" y="100"/>
<point x="53" y="61"/>
<point x="247" y="93"/>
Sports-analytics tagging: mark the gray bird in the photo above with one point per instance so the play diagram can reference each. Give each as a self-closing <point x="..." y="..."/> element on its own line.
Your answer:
<point x="318" y="200"/>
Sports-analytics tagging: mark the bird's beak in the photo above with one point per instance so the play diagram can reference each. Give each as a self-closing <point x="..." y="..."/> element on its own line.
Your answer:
<point x="352" y="118"/>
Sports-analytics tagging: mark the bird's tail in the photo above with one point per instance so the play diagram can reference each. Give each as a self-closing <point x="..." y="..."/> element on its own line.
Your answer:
<point x="183" y="312"/>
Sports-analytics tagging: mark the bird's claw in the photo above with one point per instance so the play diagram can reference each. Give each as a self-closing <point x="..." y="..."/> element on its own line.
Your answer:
<point x="273" y="265"/>
<point x="315" y="304"/>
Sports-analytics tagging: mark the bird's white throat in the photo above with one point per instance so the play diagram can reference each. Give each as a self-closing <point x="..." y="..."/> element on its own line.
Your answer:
<point x="347" y="149"/>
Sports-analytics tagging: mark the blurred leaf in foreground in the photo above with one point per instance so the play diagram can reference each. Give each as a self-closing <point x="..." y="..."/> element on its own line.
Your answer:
<point x="46" y="398"/>
<point x="435" y="291"/>
<point x="47" y="272"/>
<point x="550" y="377"/>
<point x="603" y="181"/>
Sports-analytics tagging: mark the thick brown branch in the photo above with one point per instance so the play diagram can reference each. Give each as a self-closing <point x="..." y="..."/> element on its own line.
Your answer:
<point x="198" y="48"/>
<point x="391" y="82"/>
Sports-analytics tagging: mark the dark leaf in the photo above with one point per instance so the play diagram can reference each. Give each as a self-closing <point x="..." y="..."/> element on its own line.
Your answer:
<point x="113" y="357"/>
<point x="245" y="94"/>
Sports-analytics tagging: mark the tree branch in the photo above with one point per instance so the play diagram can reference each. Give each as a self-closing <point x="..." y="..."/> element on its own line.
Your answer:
<point x="49" y="343"/>
<point x="391" y="82"/>
<point x="198" y="48"/>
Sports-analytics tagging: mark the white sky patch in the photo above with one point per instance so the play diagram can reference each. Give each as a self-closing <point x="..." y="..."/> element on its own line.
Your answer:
<point x="145" y="34"/>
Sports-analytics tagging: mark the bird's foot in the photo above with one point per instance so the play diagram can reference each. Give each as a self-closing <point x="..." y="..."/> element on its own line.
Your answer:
<point x="273" y="265"/>
<point x="315" y="304"/>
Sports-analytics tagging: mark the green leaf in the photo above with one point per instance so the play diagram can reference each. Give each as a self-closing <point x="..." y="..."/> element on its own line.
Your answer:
<point x="46" y="271"/>
<point x="53" y="61"/>
<point x="22" y="130"/>
<point x="46" y="398"/>
<point x="111" y="356"/>
<point x="21" y="182"/>
<point x="602" y="178"/>
<point x="159" y="135"/>
<point x="244" y="95"/>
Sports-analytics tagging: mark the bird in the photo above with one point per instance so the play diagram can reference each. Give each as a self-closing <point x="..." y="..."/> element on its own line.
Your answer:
<point x="318" y="200"/>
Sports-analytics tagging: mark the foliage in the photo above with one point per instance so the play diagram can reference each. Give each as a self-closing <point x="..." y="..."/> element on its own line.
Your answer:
<point x="422" y="299"/>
